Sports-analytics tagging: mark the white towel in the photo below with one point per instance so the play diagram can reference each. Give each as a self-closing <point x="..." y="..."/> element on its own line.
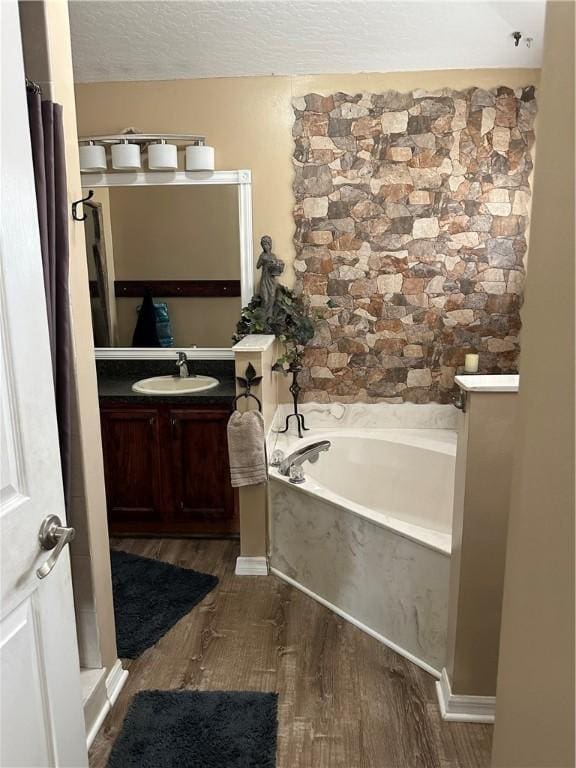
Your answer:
<point x="247" y="448"/>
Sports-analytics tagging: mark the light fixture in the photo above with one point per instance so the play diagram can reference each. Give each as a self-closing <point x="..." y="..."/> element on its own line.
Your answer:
<point x="162" y="156"/>
<point x="199" y="157"/>
<point x="92" y="157"/>
<point x="162" y="149"/>
<point x="125" y="156"/>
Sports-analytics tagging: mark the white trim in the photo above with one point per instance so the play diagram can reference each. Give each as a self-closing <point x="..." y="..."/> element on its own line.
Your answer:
<point x="246" y="240"/>
<point x="376" y="635"/>
<point x="463" y="709"/>
<point x="103" y="698"/>
<point x="251" y="566"/>
<point x="254" y="342"/>
<point x="498" y="382"/>
<point x="243" y="180"/>
<point x="193" y="353"/>
<point x="115" y="681"/>
<point x="182" y="178"/>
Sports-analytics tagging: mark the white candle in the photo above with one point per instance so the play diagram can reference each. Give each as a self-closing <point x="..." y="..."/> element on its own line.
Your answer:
<point x="471" y="363"/>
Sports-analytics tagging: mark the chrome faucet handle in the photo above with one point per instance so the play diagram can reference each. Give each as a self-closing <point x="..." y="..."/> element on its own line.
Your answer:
<point x="182" y="364"/>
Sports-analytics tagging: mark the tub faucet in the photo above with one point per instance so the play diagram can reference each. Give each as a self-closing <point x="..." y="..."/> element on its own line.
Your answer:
<point x="183" y="365"/>
<point x="309" y="453"/>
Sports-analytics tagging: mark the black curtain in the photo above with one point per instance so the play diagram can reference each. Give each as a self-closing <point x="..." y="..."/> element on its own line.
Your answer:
<point x="47" y="136"/>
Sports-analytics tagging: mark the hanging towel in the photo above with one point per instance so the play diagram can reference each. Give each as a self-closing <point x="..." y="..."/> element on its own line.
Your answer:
<point x="146" y="333"/>
<point x="247" y="448"/>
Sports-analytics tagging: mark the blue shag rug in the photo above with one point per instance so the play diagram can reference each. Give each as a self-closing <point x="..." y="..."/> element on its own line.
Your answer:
<point x="150" y="596"/>
<point x="193" y="729"/>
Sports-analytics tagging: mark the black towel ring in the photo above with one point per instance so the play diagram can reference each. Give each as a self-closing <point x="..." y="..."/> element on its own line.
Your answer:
<point x="246" y="395"/>
<point x="79" y="202"/>
<point x="248" y="381"/>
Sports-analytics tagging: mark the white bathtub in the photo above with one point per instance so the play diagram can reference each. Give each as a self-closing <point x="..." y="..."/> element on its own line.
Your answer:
<point x="369" y="532"/>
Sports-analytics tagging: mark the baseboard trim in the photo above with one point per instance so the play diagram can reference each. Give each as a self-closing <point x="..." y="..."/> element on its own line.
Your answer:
<point x="115" y="681"/>
<point x="251" y="566"/>
<point x="103" y="699"/>
<point x="463" y="709"/>
<point x="376" y="635"/>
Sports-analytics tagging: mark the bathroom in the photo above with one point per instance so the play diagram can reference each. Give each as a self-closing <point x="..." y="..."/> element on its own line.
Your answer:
<point x="309" y="259"/>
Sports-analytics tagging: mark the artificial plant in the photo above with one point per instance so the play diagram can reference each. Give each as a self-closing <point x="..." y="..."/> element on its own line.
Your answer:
<point x="287" y="321"/>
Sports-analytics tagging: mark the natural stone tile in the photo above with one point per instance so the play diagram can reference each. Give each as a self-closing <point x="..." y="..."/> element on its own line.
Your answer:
<point x="464" y="240"/>
<point x="515" y="282"/>
<point x="337" y="360"/>
<point x="425" y="228"/>
<point x="419" y="197"/>
<point x="521" y="203"/>
<point x="320" y="372"/>
<point x="394" y="122"/>
<point x="315" y="207"/>
<point x="501" y="139"/>
<point x="410" y="215"/>
<point x="500" y="345"/>
<point x="413" y="350"/>
<point x="436" y="285"/>
<point x="500" y="252"/>
<point x="461" y="316"/>
<point x="488" y="118"/>
<point x="490" y="287"/>
<point x="399" y="154"/>
<point x="318" y="237"/>
<point x="499" y="209"/>
<point x="389" y="283"/>
<point x="317" y="103"/>
<point x="419" y="377"/>
<point x="504" y="226"/>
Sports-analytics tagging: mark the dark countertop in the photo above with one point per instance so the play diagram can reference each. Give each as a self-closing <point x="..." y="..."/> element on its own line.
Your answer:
<point x="115" y="379"/>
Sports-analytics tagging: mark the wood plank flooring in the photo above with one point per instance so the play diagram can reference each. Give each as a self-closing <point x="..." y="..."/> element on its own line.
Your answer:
<point x="345" y="700"/>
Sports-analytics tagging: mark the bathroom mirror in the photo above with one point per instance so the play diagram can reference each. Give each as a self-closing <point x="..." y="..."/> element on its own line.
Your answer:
<point x="169" y="260"/>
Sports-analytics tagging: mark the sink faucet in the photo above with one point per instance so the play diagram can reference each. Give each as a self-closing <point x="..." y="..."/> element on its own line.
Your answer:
<point x="309" y="453"/>
<point x="182" y="365"/>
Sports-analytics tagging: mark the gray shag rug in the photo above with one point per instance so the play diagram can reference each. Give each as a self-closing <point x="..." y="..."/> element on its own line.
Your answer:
<point x="197" y="729"/>
<point x="150" y="596"/>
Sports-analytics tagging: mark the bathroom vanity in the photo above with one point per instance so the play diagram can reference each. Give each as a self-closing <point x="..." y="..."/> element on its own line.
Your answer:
<point x="166" y="457"/>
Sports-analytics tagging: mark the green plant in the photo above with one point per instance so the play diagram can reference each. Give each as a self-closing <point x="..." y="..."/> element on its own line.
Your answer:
<point x="288" y="322"/>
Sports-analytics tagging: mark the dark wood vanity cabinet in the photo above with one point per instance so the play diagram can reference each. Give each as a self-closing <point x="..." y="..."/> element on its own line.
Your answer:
<point x="167" y="471"/>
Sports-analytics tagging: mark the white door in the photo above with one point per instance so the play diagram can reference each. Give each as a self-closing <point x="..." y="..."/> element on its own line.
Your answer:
<point x="42" y="722"/>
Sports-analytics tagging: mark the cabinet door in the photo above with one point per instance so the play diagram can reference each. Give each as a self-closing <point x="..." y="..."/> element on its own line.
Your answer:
<point x="131" y="447"/>
<point x="203" y="498"/>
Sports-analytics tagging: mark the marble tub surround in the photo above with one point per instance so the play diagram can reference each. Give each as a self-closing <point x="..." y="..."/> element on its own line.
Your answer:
<point x="390" y="586"/>
<point x="371" y="416"/>
<point x="411" y="213"/>
<point x="370" y="474"/>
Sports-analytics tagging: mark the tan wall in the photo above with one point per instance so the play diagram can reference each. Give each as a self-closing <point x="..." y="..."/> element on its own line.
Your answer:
<point x="481" y="503"/>
<point x="49" y="60"/>
<point x="249" y="122"/>
<point x="535" y="695"/>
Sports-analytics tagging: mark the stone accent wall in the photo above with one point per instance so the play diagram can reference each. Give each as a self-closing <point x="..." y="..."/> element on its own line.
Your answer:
<point x="411" y="213"/>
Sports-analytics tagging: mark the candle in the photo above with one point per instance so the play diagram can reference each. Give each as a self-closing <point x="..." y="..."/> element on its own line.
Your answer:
<point x="471" y="363"/>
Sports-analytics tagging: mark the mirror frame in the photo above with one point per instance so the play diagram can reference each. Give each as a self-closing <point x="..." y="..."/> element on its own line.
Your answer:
<point x="243" y="181"/>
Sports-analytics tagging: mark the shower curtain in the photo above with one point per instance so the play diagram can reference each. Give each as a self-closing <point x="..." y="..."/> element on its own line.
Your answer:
<point x="47" y="137"/>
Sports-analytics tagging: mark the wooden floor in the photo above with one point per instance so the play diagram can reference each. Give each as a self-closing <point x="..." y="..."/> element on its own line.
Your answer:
<point x="345" y="700"/>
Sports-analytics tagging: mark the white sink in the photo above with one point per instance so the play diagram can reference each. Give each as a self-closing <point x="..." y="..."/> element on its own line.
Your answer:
<point x="174" y="385"/>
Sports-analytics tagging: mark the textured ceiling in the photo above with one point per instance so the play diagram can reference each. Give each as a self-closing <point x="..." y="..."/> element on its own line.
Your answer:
<point x="150" y="40"/>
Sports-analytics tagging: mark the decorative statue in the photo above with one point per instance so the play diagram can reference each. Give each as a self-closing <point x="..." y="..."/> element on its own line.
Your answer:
<point x="271" y="267"/>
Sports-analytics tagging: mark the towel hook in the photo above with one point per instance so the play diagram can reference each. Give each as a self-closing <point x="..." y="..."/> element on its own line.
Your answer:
<point x="248" y="381"/>
<point x="75" y="205"/>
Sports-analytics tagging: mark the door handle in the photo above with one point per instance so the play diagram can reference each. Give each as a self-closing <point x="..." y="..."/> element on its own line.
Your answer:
<point x="53" y="535"/>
